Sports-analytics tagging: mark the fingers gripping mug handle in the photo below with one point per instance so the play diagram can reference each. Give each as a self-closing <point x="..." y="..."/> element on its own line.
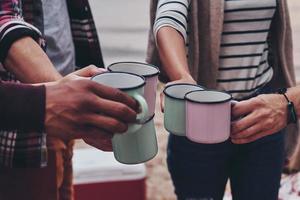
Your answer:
<point x="233" y="102"/>
<point x="142" y="116"/>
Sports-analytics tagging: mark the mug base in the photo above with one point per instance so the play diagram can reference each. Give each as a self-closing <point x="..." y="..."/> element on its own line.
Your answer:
<point x="175" y="133"/>
<point x="208" y="141"/>
<point x="136" y="163"/>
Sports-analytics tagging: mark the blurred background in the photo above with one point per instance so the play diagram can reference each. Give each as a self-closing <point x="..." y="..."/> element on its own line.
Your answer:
<point x="123" y="29"/>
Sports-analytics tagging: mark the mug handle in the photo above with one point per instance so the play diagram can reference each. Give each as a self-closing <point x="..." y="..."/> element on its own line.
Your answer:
<point x="233" y="102"/>
<point x="141" y="117"/>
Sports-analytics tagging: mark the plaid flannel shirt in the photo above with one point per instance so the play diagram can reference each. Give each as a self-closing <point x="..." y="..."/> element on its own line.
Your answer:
<point x="19" y="18"/>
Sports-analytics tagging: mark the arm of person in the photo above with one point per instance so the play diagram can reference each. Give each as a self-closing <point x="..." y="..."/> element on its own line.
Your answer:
<point x="71" y="108"/>
<point x="67" y="109"/>
<point x="262" y="115"/>
<point x="22" y="107"/>
<point x="21" y="54"/>
<point x="20" y="46"/>
<point x="170" y="31"/>
<point x="172" y="54"/>
<point x="29" y="63"/>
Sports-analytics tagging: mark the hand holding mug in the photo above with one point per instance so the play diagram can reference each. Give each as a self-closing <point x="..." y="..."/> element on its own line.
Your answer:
<point x="84" y="73"/>
<point x="85" y="109"/>
<point x="175" y="107"/>
<point x="99" y="141"/>
<point x="187" y="79"/>
<point x="139" y="143"/>
<point x="258" y="117"/>
<point x="149" y="72"/>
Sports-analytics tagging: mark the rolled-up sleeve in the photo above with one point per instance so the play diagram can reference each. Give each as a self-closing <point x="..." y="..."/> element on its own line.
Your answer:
<point x="22" y="107"/>
<point x="13" y="26"/>
<point x="172" y="13"/>
<point x="22" y="112"/>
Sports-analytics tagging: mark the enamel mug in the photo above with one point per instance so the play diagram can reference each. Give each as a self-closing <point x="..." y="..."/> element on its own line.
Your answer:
<point x="133" y="85"/>
<point x="208" y="116"/>
<point x="138" y="147"/>
<point x="149" y="72"/>
<point x="174" y="108"/>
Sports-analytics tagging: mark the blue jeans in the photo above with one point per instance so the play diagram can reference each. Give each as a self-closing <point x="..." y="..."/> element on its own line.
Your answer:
<point x="201" y="171"/>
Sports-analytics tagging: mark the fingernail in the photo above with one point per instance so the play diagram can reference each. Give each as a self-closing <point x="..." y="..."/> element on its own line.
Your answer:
<point x="101" y="69"/>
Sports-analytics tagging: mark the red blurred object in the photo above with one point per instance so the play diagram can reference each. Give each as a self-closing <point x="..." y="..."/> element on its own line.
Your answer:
<point x="98" y="176"/>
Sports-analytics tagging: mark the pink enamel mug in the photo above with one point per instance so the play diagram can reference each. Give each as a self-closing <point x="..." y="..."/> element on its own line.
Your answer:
<point x="149" y="72"/>
<point x="208" y="116"/>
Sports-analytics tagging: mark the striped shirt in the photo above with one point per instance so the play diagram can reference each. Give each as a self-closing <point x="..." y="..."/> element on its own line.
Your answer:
<point x="172" y="13"/>
<point x="244" y="50"/>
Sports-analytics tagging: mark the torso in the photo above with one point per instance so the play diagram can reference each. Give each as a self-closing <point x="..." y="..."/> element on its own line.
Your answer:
<point x="60" y="47"/>
<point x="244" y="51"/>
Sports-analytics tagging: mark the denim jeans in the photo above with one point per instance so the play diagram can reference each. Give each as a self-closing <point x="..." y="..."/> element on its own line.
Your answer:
<point x="201" y="171"/>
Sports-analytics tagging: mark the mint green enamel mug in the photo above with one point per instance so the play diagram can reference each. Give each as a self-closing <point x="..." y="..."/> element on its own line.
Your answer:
<point x="131" y="84"/>
<point x="133" y="146"/>
<point x="138" y="147"/>
<point x="174" y="108"/>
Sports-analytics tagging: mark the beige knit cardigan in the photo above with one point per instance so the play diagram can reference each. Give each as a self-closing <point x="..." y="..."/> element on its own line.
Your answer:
<point x="205" y="27"/>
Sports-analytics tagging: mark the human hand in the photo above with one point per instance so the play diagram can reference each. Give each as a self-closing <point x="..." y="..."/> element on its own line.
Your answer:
<point x="84" y="73"/>
<point x="86" y="109"/>
<point x="187" y="79"/>
<point x="102" y="141"/>
<point x="258" y="117"/>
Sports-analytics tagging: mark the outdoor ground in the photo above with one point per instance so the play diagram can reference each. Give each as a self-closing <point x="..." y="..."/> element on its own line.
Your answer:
<point x="123" y="27"/>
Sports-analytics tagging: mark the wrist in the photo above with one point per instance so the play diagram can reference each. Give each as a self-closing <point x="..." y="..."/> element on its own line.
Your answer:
<point x="283" y="107"/>
<point x="53" y="92"/>
<point x="291" y="111"/>
<point x="184" y="77"/>
<point x="293" y="95"/>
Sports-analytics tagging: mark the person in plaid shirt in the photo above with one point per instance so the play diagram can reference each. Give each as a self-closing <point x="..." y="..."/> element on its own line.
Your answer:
<point x="22" y="25"/>
<point x="19" y="100"/>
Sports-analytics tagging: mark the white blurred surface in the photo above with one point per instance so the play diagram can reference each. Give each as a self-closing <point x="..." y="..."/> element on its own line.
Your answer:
<point x="94" y="166"/>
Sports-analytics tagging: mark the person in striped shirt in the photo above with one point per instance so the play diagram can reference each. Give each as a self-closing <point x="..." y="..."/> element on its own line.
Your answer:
<point x="244" y="69"/>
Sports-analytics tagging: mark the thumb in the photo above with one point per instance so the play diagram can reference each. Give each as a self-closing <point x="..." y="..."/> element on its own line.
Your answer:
<point x="89" y="71"/>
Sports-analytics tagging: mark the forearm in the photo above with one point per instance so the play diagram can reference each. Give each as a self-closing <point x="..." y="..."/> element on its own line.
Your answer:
<point x="20" y="50"/>
<point x="29" y="63"/>
<point x="170" y="32"/>
<point x="172" y="52"/>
